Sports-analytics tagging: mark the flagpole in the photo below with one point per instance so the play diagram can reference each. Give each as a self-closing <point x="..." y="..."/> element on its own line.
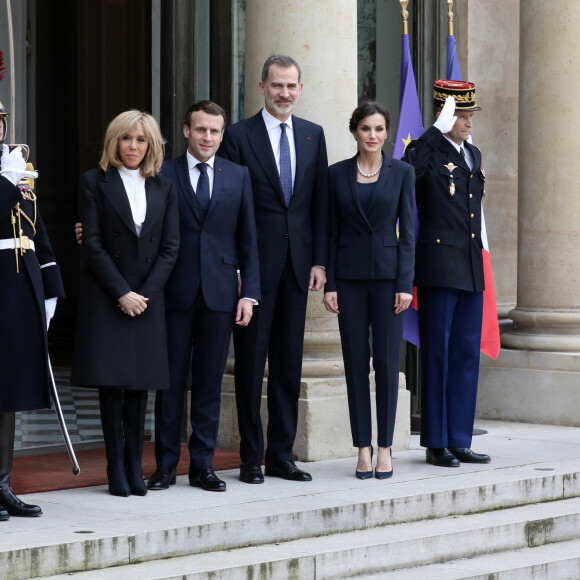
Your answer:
<point x="450" y="18"/>
<point x="405" y="15"/>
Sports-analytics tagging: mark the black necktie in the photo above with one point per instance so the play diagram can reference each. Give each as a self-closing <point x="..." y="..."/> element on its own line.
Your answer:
<point x="285" y="165"/>
<point x="203" y="186"/>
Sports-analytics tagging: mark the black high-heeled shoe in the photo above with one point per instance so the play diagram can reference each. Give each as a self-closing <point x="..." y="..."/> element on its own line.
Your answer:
<point x="386" y="474"/>
<point x="365" y="474"/>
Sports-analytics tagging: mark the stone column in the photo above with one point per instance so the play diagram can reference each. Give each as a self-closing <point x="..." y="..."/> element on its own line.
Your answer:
<point x="537" y="380"/>
<point x="322" y="37"/>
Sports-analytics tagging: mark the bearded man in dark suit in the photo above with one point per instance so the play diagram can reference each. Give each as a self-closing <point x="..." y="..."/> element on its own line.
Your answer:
<point x="288" y="165"/>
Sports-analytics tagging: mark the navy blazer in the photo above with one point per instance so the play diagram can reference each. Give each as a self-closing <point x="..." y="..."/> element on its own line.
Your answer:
<point x="303" y="225"/>
<point x="212" y="250"/>
<point x="365" y="246"/>
<point x="448" y="252"/>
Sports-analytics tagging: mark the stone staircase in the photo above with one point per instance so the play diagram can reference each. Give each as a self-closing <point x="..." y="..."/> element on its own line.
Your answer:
<point x="518" y="517"/>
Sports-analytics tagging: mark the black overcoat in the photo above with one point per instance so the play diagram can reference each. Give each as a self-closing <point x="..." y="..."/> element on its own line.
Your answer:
<point x="111" y="348"/>
<point x="24" y="372"/>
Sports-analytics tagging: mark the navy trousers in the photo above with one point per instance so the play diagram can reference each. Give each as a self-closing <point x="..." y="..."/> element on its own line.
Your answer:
<point x="365" y="304"/>
<point x="276" y="331"/>
<point x="199" y="336"/>
<point x="450" y="335"/>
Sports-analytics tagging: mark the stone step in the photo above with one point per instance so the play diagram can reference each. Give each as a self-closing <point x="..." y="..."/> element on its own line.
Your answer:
<point x="374" y="551"/>
<point x="559" y="561"/>
<point x="88" y="529"/>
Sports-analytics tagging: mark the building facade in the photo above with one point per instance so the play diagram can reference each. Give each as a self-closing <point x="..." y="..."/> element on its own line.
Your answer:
<point x="73" y="68"/>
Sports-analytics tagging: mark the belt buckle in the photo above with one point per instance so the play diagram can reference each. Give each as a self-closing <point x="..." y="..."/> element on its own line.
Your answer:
<point x="24" y="243"/>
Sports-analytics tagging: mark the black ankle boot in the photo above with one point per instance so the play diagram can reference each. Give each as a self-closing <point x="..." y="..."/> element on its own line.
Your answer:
<point x="118" y="484"/>
<point x="111" y="404"/>
<point x="15" y="506"/>
<point x="8" y="500"/>
<point x="134" y="472"/>
<point x="134" y="407"/>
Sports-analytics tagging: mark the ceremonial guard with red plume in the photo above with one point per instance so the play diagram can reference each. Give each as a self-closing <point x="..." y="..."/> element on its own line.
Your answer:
<point x="30" y="286"/>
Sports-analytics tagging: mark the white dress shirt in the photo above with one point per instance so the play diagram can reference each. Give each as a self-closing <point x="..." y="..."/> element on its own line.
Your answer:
<point x="274" y="133"/>
<point x="134" y="184"/>
<point x="194" y="171"/>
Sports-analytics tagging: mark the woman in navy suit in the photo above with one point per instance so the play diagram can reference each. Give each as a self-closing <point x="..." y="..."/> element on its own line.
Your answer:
<point x="370" y="277"/>
<point x="130" y="242"/>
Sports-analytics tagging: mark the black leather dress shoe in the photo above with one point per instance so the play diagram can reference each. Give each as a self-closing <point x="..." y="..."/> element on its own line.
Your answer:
<point x="205" y="478"/>
<point x="251" y="473"/>
<point x="4" y="515"/>
<point x="465" y="455"/>
<point x="287" y="470"/>
<point x="162" y="479"/>
<point x="441" y="457"/>
<point x="16" y="507"/>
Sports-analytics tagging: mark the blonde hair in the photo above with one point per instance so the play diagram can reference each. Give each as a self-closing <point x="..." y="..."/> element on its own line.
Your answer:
<point x="119" y="127"/>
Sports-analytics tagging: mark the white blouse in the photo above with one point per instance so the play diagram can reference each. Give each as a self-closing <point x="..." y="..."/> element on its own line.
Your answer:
<point x="134" y="184"/>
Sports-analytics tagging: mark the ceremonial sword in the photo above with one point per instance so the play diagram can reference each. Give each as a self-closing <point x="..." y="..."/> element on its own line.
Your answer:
<point x="59" y="415"/>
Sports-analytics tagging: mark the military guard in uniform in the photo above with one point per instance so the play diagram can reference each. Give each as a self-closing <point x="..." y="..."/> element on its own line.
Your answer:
<point x="29" y="289"/>
<point x="449" y="274"/>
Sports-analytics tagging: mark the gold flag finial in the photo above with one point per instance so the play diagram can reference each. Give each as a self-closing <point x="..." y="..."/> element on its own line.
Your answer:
<point x="405" y="15"/>
<point x="450" y="18"/>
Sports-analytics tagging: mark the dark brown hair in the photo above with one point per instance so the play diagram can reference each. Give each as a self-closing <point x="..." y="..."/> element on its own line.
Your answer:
<point x="208" y="107"/>
<point x="365" y="110"/>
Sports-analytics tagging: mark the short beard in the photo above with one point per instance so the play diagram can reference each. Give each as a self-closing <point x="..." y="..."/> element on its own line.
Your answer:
<point x="278" y="110"/>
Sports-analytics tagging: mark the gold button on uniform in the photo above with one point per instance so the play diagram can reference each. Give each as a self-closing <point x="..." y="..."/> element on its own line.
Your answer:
<point x="473" y="235"/>
<point x="472" y="216"/>
<point x="470" y="195"/>
<point x="438" y="240"/>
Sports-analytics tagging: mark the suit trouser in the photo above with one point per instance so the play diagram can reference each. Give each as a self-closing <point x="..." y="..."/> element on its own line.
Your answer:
<point x="365" y="304"/>
<point x="276" y="331"/>
<point x="199" y="336"/>
<point x="450" y="335"/>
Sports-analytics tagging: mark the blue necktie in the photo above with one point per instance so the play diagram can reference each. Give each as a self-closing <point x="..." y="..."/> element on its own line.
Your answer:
<point x="203" y="186"/>
<point x="285" y="165"/>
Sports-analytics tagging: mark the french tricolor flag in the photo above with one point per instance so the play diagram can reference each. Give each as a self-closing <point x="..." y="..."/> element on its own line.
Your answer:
<point x="490" y="341"/>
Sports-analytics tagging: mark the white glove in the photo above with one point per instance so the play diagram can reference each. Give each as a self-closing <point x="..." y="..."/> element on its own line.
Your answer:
<point x="49" y="308"/>
<point x="446" y="118"/>
<point x="13" y="164"/>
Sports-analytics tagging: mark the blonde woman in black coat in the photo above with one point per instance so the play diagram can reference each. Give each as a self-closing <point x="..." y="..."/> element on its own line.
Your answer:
<point x="130" y="242"/>
<point x="370" y="277"/>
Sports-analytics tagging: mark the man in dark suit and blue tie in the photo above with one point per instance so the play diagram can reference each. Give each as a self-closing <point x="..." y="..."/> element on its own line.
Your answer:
<point x="450" y="185"/>
<point x="288" y="165"/>
<point x="218" y="240"/>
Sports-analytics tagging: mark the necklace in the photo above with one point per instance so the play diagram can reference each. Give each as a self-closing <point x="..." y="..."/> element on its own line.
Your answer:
<point x="368" y="174"/>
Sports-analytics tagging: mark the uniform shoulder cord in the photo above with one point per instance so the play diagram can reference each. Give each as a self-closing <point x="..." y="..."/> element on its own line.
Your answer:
<point x="16" y="214"/>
